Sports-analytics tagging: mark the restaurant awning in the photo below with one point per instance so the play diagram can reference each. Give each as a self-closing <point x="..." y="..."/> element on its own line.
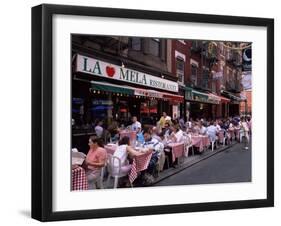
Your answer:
<point x="159" y="95"/>
<point x="106" y="87"/>
<point x="200" y="96"/>
<point x="232" y="96"/>
<point x="224" y="99"/>
<point x="103" y="86"/>
<point x="173" y="97"/>
<point x="148" y="93"/>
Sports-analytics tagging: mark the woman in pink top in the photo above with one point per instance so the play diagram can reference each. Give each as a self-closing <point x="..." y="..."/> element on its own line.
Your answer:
<point x="95" y="160"/>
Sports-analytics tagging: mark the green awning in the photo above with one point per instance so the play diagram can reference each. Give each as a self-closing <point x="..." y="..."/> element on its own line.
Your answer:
<point x="198" y="96"/>
<point x="232" y="96"/>
<point x="106" y="87"/>
<point x="188" y="93"/>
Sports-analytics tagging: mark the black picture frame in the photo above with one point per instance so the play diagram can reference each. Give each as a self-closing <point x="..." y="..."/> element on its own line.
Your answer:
<point x="42" y="111"/>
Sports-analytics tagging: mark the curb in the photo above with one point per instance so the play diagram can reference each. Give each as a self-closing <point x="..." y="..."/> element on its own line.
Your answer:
<point x="186" y="165"/>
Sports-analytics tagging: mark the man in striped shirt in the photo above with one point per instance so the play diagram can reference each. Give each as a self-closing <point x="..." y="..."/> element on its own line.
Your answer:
<point x="155" y="146"/>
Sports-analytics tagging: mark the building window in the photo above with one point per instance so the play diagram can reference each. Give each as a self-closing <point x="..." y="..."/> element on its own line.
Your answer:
<point x="180" y="69"/>
<point x="136" y="44"/>
<point x="194" y="71"/>
<point x="214" y="86"/>
<point x="195" y="45"/>
<point x="155" y="46"/>
<point x="205" y="78"/>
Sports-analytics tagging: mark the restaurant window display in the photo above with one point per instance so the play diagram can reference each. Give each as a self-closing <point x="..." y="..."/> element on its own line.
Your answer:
<point x="149" y="111"/>
<point x="123" y="114"/>
<point x="101" y="109"/>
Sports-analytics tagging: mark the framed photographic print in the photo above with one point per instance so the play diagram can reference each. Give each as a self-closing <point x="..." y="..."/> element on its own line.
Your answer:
<point x="146" y="112"/>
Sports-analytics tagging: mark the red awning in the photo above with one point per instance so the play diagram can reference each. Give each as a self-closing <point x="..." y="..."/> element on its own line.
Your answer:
<point x="172" y="97"/>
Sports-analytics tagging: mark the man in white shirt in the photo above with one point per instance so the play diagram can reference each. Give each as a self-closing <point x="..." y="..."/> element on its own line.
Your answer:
<point x="203" y="129"/>
<point x="177" y="134"/>
<point x="212" y="131"/>
<point x="99" y="129"/>
<point x="136" y="126"/>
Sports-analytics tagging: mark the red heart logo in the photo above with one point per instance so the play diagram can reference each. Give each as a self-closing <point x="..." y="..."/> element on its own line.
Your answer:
<point x="110" y="71"/>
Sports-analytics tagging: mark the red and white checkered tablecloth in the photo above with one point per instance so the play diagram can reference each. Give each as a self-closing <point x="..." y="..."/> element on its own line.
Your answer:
<point x="177" y="150"/>
<point x="79" y="179"/>
<point x="205" y="140"/>
<point x="221" y="136"/>
<point x="140" y="163"/>
<point x="200" y="141"/>
<point x="197" y="142"/>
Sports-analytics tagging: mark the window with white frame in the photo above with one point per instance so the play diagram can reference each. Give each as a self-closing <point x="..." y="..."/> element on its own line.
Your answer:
<point x="180" y="69"/>
<point x="205" y="80"/>
<point x="194" y="72"/>
<point x="136" y="43"/>
<point x="155" y="46"/>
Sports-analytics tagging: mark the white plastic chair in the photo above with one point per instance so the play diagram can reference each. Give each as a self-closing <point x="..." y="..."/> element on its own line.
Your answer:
<point x="213" y="142"/>
<point x="187" y="144"/>
<point x="114" y="170"/>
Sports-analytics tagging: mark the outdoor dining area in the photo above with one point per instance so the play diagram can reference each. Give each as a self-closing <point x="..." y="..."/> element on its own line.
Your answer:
<point x="140" y="155"/>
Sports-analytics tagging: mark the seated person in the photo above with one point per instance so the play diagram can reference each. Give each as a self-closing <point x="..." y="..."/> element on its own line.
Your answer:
<point x="196" y="128"/>
<point x="114" y="131"/>
<point x="154" y="134"/>
<point x="177" y="134"/>
<point x="123" y="151"/>
<point x="167" y="129"/>
<point x="212" y="131"/>
<point x="155" y="146"/>
<point x="202" y="129"/>
<point x="140" y="137"/>
<point x="94" y="161"/>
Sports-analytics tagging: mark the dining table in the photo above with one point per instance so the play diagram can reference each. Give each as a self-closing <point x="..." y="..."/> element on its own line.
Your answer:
<point x="200" y="141"/>
<point x="177" y="150"/>
<point x="78" y="179"/>
<point x="140" y="163"/>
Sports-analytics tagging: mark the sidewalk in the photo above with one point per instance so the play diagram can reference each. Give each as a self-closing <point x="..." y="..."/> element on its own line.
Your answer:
<point x="190" y="161"/>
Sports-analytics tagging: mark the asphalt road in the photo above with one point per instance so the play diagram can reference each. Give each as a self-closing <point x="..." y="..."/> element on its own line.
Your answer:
<point x="229" y="166"/>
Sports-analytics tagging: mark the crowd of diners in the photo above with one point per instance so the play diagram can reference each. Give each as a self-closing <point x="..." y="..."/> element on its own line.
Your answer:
<point x="154" y="138"/>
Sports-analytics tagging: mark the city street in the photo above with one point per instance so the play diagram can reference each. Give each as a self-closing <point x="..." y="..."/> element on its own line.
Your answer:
<point x="231" y="165"/>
